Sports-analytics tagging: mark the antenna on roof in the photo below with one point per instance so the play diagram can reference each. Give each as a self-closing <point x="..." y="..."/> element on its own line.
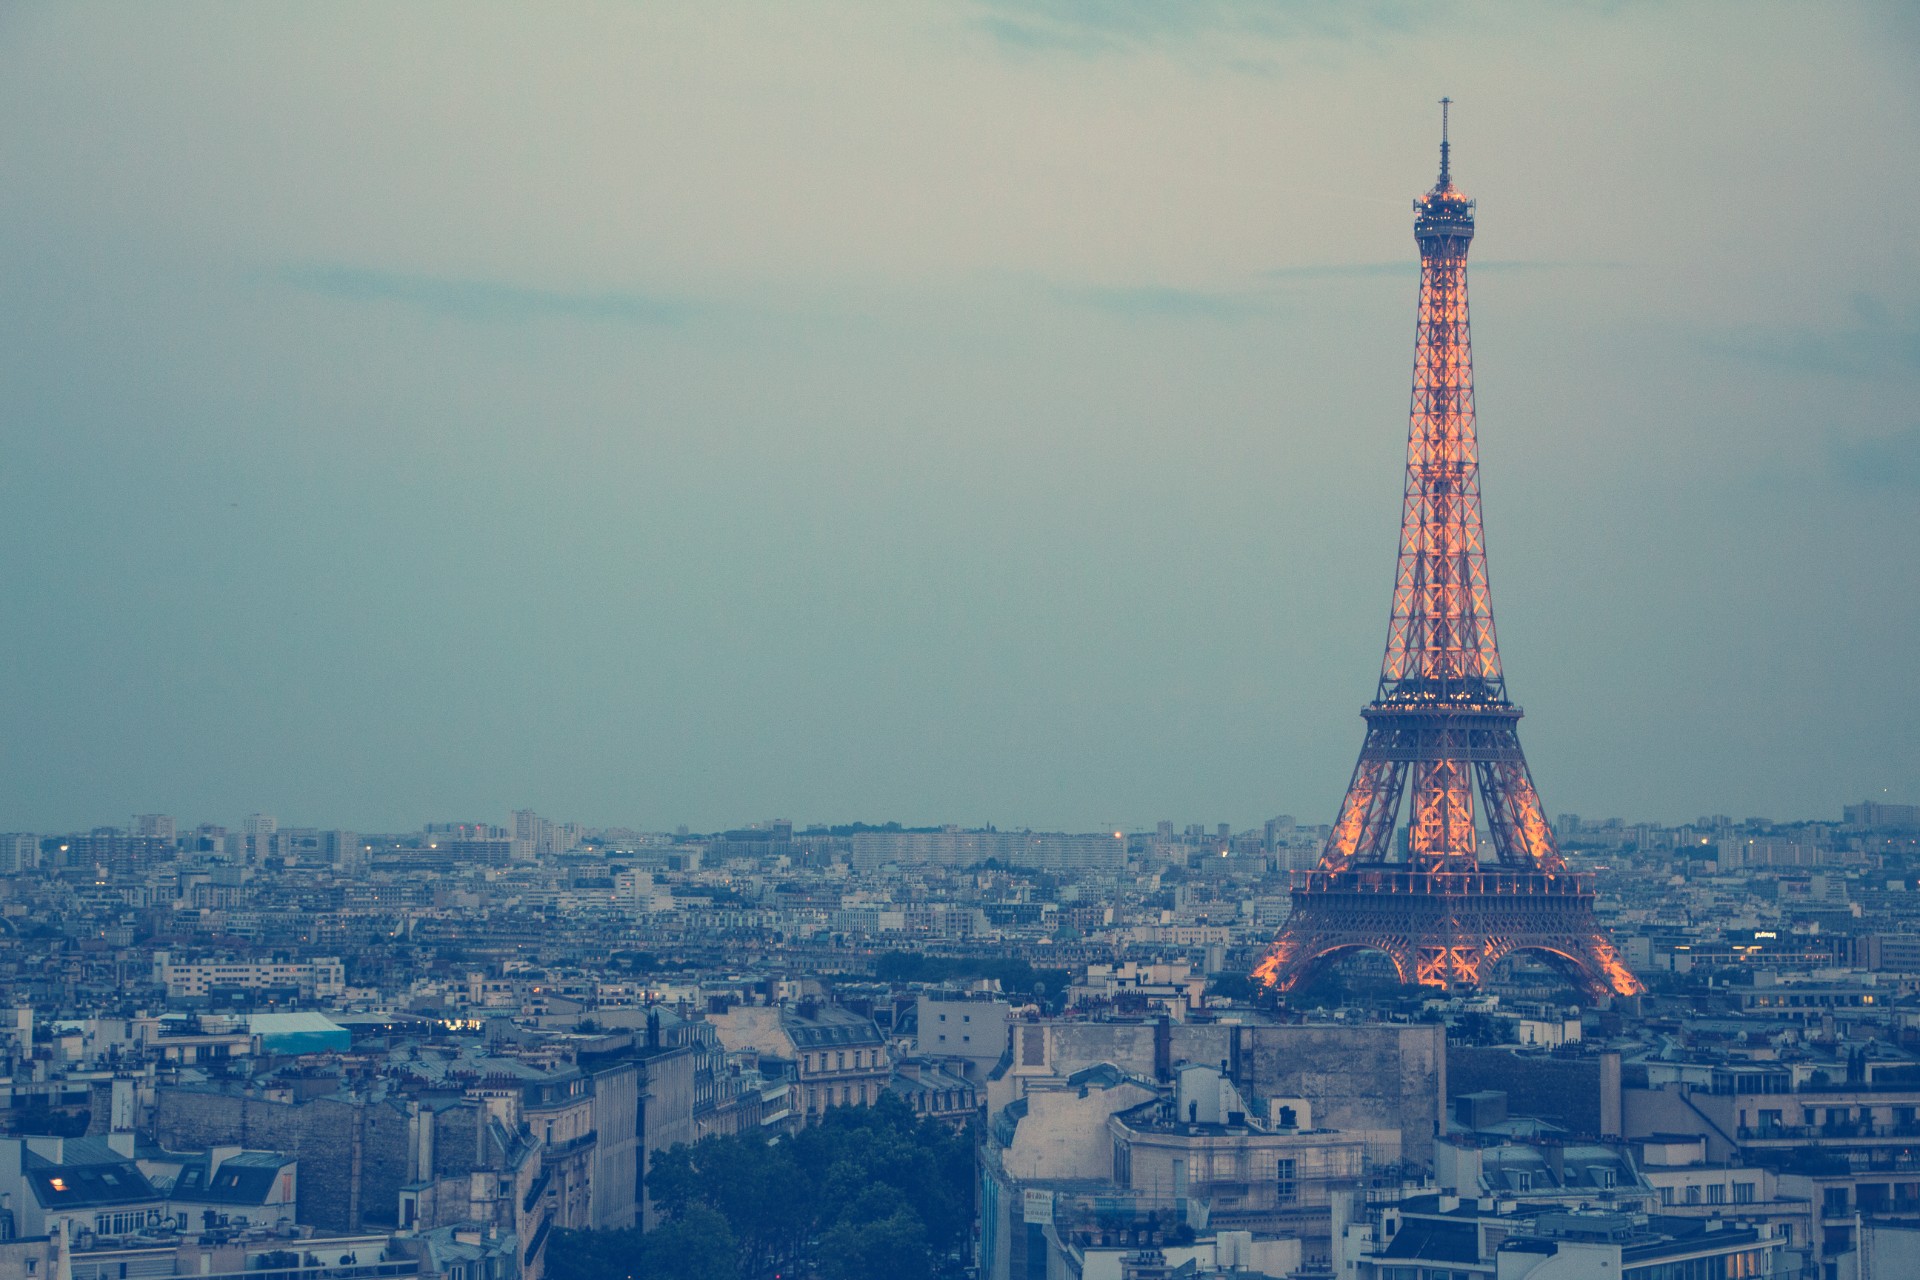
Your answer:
<point x="1444" y="104"/>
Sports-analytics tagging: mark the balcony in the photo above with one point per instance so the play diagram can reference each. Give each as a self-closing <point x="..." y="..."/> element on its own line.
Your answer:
<point x="555" y="1150"/>
<point x="1396" y="878"/>
<point x="1827" y="1132"/>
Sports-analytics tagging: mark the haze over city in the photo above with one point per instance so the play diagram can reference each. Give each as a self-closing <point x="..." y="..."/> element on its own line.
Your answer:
<point x="983" y="413"/>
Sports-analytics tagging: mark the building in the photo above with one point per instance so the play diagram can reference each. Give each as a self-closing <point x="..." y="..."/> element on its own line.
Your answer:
<point x="227" y="1188"/>
<point x="1042" y="851"/>
<point x="1358" y="1077"/>
<point x="839" y="1058"/>
<point x="1275" y="1176"/>
<point x="972" y="1031"/>
<point x="936" y="1089"/>
<point x="318" y="978"/>
<point x="67" y="1186"/>
<point x="1444" y="1237"/>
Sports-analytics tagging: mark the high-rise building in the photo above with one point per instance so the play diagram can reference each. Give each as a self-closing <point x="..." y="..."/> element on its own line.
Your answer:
<point x="256" y="837"/>
<point x="18" y="852"/>
<point x="533" y="836"/>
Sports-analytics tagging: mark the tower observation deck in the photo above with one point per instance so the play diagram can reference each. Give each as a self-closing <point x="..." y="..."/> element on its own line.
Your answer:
<point x="1442" y="734"/>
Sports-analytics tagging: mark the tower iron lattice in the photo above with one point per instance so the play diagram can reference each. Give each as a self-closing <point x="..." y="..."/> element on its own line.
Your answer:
<point x="1441" y="731"/>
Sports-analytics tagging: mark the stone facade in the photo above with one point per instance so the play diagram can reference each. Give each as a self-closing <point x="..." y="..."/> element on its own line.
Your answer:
<point x="353" y="1154"/>
<point x="1365" y="1076"/>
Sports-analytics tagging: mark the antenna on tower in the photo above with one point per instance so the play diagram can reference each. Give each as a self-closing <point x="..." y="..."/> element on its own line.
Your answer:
<point x="1444" y="104"/>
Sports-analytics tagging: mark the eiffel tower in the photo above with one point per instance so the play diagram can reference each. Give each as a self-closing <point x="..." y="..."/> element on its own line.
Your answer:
<point x="1441" y="730"/>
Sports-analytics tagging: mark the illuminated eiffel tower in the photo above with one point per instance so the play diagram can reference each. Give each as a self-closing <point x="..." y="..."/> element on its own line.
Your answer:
<point x="1441" y="729"/>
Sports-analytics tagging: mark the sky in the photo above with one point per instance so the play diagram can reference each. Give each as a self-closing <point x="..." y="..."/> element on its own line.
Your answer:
<point x="975" y="412"/>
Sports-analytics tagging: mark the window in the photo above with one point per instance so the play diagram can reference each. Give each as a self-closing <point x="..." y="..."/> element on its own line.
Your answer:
<point x="1666" y="1195"/>
<point x="1743" y="1193"/>
<point x="1693" y="1195"/>
<point x="1286" y="1185"/>
<point x="1717" y="1193"/>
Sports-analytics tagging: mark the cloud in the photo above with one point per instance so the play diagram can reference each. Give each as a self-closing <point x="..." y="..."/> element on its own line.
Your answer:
<point x="1344" y="270"/>
<point x="1544" y="264"/>
<point x="1876" y="342"/>
<point x="1100" y="26"/>
<point x="1885" y="462"/>
<point x="1265" y="297"/>
<point x="1409" y="268"/>
<point x="485" y="299"/>
<point x="1163" y="301"/>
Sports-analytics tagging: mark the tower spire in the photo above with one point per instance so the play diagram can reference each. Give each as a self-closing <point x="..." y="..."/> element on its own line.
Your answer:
<point x="1444" y="104"/>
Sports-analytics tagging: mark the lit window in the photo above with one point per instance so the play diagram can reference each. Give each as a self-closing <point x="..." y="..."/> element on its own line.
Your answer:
<point x="59" y="1184"/>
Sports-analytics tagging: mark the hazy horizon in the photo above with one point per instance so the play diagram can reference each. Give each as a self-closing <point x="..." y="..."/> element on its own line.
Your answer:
<point x="976" y="412"/>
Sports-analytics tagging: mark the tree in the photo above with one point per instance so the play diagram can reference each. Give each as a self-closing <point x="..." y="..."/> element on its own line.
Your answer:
<point x="893" y="1248"/>
<point x="698" y="1246"/>
<point x="1234" y="986"/>
<point x="868" y="1192"/>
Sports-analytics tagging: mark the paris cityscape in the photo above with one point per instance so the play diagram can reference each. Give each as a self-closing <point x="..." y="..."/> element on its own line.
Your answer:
<point x="364" y="1003"/>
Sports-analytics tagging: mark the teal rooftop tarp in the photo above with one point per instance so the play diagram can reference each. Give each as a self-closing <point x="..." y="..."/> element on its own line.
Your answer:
<point x="293" y="1033"/>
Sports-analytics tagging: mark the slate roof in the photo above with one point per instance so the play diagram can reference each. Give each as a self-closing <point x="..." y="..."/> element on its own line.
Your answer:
<point x="1429" y="1241"/>
<point x="245" y="1179"/>
<point x="931" y="1079"/>
<point x="91" y="1174"/>
<point x="830" y="1028"/>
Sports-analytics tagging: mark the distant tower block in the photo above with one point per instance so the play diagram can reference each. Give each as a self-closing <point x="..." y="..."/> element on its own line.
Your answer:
<point x="1440" y="729"/>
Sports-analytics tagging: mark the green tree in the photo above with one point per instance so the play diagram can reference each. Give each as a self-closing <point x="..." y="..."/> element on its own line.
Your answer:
<point x="697" y="1246"/>
<point x="867" y="1192"/>
<point x="893" y="1248"/>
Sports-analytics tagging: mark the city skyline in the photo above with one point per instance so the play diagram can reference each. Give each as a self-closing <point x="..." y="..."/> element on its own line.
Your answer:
<point x="673" y="434"/>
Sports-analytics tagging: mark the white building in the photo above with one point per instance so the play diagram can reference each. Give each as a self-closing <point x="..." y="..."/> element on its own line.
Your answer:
<point x="319" y="978"/>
